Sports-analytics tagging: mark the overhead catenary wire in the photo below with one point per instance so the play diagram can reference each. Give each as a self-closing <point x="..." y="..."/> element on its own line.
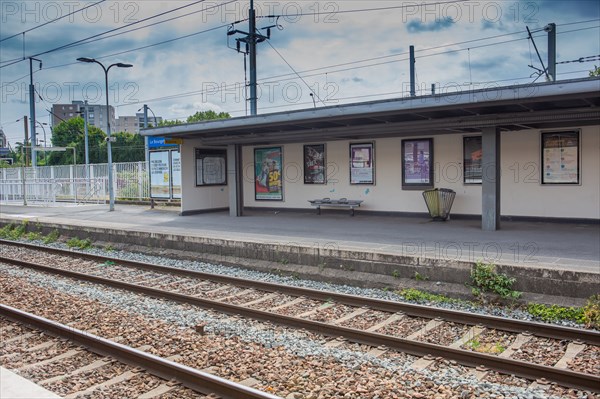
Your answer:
<point x="297" y="74"/>
<point x="275" y="79"/>
<point x="52" y="21"/>
<point x="316" y="13"/>
<point x="85" y="40"/>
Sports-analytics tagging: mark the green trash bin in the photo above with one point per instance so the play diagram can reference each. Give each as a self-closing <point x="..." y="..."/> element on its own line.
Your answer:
<point x="439" y="202"/>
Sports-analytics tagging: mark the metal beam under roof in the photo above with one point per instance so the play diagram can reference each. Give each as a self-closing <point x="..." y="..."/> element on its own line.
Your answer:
<point x="558" y="104"/>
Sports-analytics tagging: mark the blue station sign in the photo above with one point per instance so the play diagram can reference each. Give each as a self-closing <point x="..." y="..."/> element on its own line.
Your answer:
<point x="159" y="142"/>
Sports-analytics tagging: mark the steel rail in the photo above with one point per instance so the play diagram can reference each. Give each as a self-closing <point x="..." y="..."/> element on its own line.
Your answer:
<point x="499" y="323"/>
<point x="473" y="359"/>
<point x="194" y="379"/>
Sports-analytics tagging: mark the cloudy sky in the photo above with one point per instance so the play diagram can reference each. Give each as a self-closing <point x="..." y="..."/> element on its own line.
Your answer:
<point x="341" y="51"/>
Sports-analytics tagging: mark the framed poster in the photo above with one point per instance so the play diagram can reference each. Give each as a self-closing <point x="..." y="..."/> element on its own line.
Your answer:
<point x="211" y="167"/>
<point x="417" y="163"/>
<point x="160" y="179"/>
<point x="362" y="163"/>
<point x="472" y="160"/>
<point x="560" y="157"/>
<point x="314" y="164"/>
<point x="268" y="179"/>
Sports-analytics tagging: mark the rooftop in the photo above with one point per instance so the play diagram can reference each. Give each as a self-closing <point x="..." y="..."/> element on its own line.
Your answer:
<point x="519" y="107"/>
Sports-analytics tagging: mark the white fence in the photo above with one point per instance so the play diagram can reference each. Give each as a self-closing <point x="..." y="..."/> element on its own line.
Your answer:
<point x="77" y="184"/>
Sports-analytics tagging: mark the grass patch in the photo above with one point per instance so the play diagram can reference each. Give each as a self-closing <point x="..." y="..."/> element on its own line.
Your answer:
<point x="415" y="295"/>
<point x="14" y="232"/>
<point x="553" y="313"/>
<point x="34" y="235"/>
<point x="52" y="237"/>
<point x="477" y="346"/>
<point x="78" y="243"/>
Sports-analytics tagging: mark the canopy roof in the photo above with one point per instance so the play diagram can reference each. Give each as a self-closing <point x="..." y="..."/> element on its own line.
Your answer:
<point x="533" y="106"/>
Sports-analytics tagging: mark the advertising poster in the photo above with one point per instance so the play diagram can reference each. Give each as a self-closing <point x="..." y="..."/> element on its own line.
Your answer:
<point x="417" y="161"/>
<point x="362" y="170"/>
<point x="176" y="173"/>
<point x="160" y="180"/>
<point x="314" y="164"/>
<point x="560" y="158"/>
<point x="268" y="178"/>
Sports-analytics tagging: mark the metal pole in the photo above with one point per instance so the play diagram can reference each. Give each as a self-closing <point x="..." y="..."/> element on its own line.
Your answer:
<point x="412" y="72"/>
<point x="75" y="173"/>
<point x="252" y="44"/>
<point x="551" y="29"/>
<point x="109" y="146"/>
<point x="111" y="194"/>
<point x="32" y="114"/>
<point x="146" y="146"/>
<point x="87" y="149"/>
<point x="23" y="177"/>
<point x="24" y="160"/>
<point x="85" y="127"/>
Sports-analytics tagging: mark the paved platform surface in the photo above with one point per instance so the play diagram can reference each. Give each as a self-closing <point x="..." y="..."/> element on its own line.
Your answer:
<point x="564" y="246"/>
<point x="13" y="386"/>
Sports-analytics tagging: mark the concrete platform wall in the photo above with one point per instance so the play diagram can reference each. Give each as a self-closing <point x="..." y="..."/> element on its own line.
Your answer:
<point x="329" y="263"/>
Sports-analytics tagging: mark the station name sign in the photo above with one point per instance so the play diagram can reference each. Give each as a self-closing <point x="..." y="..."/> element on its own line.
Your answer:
<point x="158" y="142"/>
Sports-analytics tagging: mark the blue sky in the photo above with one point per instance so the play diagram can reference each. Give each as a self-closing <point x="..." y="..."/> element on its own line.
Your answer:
<point x="344" y="51"/>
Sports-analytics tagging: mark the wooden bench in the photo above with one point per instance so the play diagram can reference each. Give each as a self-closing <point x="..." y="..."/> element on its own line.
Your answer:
<point x="341" y="203"/>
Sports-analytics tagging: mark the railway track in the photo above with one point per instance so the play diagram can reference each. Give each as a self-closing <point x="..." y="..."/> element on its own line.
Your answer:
<point x="506" y="346"/>
<point x="78" y="364"/>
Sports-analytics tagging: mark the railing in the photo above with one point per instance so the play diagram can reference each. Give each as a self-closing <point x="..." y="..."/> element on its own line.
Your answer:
<point x="50" y="191"/>
<point x="78" y="184"/>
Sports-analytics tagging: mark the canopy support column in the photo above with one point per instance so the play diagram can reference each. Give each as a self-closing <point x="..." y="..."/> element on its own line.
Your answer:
<point x="235" y="180"/>
<point x="490" y="190"/>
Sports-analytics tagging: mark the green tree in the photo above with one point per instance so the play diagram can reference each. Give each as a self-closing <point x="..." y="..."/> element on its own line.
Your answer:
<point x="71" y="133"/>
<point x="128" y="147"/>
<point x="20" y="153"/>
<point x="197" y="117"/>
<point x="207" y="116"/>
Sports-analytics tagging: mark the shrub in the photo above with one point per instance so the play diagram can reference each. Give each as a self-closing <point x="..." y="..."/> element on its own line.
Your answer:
<point x="486" y="279"/>
<point x="591" y="312"/>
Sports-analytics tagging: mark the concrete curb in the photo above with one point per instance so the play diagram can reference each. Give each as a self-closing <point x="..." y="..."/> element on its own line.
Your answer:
<point x="334" y="264"/>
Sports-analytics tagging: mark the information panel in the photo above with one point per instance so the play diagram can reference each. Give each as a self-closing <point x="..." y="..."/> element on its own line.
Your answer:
<point x="176" y="173"/>
<point x="560" y="158"/>
<point x="160" y="180"/>
<point x="362" y="170"/>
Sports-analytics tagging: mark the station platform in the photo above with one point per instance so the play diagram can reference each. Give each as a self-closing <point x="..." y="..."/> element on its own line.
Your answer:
<point x="13" y="386"/>
<point x="550" y="250"/>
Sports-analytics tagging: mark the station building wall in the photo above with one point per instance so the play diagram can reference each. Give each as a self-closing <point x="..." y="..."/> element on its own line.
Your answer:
<point x="521" y="189"/>
<point x="196" y="199"/>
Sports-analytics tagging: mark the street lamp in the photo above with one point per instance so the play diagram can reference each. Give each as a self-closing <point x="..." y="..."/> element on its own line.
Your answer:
<point x="37" y="141"/>
<point x="42" y="126"/>
<point x="111" y="195"/>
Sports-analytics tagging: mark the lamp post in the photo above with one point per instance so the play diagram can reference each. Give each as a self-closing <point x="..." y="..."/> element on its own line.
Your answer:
<point x="111" y="194"/>
<point x="146" y="108"/>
